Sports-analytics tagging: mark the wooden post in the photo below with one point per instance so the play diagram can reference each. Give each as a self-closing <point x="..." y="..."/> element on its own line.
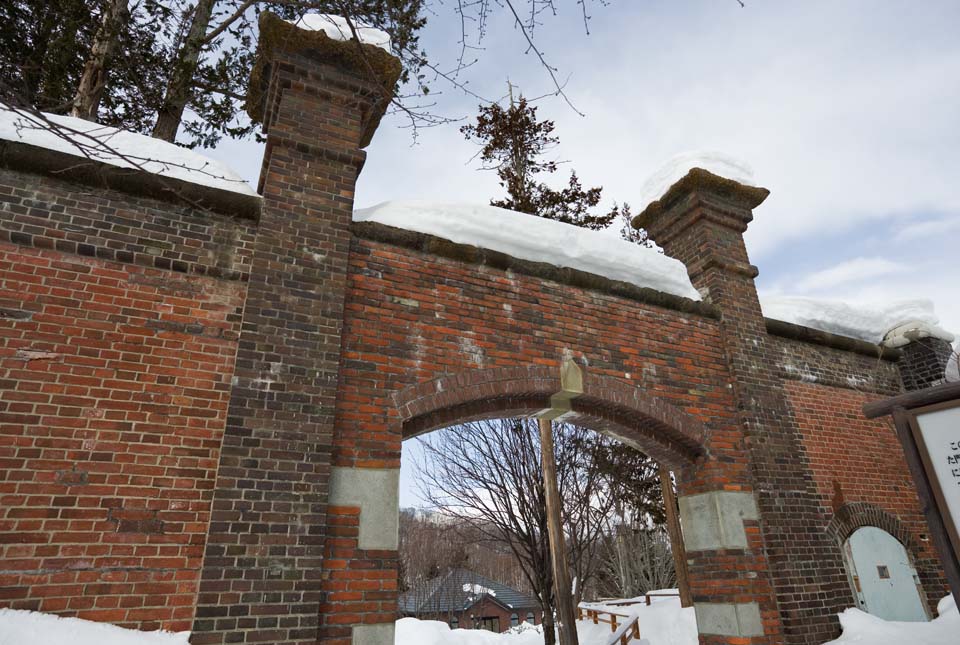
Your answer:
<point x="558" y="557"/>
<point x="676" y="538"/>
<point x="944" y="526"/>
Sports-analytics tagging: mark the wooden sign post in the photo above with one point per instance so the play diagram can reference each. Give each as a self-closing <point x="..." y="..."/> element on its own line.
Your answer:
<point x="558" y="552"/>
<point x="928" y="426"/>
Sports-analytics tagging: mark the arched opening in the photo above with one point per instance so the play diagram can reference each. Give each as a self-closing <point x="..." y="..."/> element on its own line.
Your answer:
<point x="882" y="575"/>
<point x="606" y="406"/>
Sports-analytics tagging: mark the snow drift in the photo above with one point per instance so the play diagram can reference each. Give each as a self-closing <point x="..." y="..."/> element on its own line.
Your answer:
<point x="33" y="628"/>
<point x="861" y="628"/>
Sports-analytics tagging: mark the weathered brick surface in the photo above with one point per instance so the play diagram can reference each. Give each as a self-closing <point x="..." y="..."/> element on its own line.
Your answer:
<point x="924" y="363"/>
<point x="810" y="363"/>
<point x="860" y="473"/>
<point x="113" y="397"/>
<point x="48" y="213"/>
<point x="701" y="222"/>
<point x="176" y="386"/>
<point x="412" y="318"/>
<point x="263" y="564"/>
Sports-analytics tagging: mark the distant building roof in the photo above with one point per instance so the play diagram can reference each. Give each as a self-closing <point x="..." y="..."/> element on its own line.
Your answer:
<point x="459" y="589"/>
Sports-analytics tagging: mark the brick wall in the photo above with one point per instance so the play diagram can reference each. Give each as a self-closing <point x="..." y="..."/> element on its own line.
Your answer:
<point x="413" y="316"/>
<point x="116" y="353"/>
<point x="179" y="387"/>
<point x="856" y="461"/>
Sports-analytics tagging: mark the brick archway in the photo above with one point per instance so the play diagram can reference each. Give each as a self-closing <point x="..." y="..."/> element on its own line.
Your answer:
<point x="608" y="405"/>
<point x="855" y="515"/>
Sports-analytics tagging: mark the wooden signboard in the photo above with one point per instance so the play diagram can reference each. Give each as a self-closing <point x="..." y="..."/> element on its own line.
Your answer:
<point x="928" y="426"/>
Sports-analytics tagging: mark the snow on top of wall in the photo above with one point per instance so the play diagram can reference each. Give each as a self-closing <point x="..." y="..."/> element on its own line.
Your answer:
<point x="892" y="323"/>
<point x="19" y="627"/>
<point x="118" y="148"/>
<point x="537" y="239"/>
<point x="677" y="168"/>
<point x="337" y="28"/>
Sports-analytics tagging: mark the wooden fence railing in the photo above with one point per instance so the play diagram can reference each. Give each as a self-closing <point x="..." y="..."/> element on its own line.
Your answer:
<point x="623" y="627"/>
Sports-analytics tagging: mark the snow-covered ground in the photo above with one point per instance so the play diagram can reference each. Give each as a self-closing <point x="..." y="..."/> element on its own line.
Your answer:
<point x="33" y="628"/>
<point x="860" y="628"/>
<point x="664" y="622"/>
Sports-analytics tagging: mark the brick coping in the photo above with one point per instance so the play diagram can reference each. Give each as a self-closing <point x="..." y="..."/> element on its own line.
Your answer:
<point x="24" y="157"/>
<point x="438" y="246"/>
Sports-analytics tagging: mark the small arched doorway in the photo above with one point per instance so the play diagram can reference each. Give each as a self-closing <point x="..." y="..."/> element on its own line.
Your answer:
<point x="884" y="580"/>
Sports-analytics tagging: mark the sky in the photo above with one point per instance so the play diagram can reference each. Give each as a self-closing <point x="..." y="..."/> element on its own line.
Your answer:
<point x="848" y="112"/>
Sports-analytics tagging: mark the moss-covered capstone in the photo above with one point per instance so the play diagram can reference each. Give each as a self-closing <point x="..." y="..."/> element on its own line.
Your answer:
<point x="367" y="62"/>
<point x="698" y="179"/>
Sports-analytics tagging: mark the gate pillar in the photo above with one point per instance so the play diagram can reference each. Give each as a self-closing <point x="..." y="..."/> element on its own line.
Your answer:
<point x="701" y="221"/>
<point x="320" y="101"/>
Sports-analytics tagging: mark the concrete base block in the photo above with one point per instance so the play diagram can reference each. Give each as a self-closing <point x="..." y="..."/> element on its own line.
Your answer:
<point x="377" y="492"/>
<point x="382" y="634"/>
<point x="714" y="520"/>
<point x="729" y="619"/>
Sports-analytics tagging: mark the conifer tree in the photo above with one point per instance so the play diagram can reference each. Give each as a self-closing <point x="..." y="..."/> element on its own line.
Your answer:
<point x="515" y="144"/>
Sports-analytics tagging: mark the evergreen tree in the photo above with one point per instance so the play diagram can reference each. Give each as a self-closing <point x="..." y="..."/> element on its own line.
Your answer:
<point x="161" y="67"/>
<point x="214" y="43"/>
<point x="178" y="69"/>
<point x="43" y="44"/>
<point x="515" y="144"/>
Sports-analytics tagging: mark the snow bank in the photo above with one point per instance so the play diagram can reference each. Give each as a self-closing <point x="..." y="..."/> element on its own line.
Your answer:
<point x="337" y="28"/>
<point x="537" y="239"/>
<point x="677" y="168"/>
<point x="411" y="631"/>
<point x="863" y="629"/>
<point x="893" y="323"/>
<point x="119" y="148"/>
<point x="33" y="628"/>
<point x="663" y="622"/>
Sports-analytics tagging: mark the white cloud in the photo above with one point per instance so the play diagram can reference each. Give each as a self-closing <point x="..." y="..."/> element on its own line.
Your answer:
<point x="928" y="228"/>
<point x="855" y="270"/>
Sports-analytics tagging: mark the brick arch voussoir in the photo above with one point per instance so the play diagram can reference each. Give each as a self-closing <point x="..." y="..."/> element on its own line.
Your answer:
<point x="608" y="405"/>
<point x="850" y="517"/>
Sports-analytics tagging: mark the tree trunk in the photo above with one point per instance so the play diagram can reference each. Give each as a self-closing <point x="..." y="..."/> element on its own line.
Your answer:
<point x="86" y="102"/>
<point x="181" y="76"/>
<point x="549" y="631"/>
<point x="558" y="556"/>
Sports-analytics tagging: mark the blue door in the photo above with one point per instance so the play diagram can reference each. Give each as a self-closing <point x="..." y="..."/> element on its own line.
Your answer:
<point x="886" y="583"/>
